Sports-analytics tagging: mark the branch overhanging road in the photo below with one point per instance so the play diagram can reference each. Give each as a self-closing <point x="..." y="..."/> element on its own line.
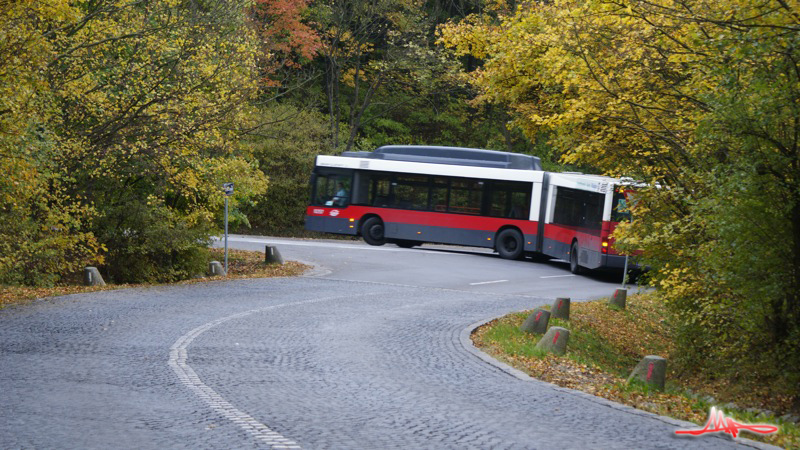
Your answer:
<point x="369" y="351"/>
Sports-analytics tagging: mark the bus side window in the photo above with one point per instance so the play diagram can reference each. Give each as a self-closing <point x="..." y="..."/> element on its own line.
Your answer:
<point x="438" y="194"/>
<point x="379" y="193"/>
<point x="465" y="197"/>
<point x="577" y="208"/>
<point x="620" y="211"/>
<point x="509" y="199"/>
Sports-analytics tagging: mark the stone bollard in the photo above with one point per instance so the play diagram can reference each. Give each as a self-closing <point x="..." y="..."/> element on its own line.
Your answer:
<point x="555" y="340"/>
<point x="92" y="277"/>
<point x="536" y="322"/>
<point x="215" y="269"/>
<point x="272" y="255"/>
<point x="620" y="295"/>
<point x="651" y="370"/>
<point x="560" y="309"/>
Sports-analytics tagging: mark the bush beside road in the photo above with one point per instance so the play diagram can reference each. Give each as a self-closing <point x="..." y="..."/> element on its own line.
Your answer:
<point x="241" y="264"/>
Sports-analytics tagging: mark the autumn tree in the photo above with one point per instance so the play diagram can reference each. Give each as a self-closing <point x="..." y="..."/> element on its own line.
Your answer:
<point x="288" y="38"/>
<point x="120" y="122"/>
<point x="151" y="94"/>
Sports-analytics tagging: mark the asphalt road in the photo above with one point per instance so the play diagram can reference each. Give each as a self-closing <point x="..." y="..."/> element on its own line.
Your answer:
<point x="462" y="268"/>
<point x="370" y="350"/>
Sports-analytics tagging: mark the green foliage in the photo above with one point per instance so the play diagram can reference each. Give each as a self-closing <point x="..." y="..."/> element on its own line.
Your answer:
<point x="285" y="148"/>
<point x="154" y="245"/>
<point x="515" y="342"/>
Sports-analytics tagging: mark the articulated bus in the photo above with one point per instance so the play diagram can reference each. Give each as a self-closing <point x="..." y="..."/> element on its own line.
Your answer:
<point x="409" y="195"/>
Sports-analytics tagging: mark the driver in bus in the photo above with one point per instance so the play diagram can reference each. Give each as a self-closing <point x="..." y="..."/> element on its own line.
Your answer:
<point x="340" y="199"/>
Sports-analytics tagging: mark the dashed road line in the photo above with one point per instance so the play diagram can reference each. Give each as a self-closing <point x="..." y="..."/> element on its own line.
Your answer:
<point x="178" y="355"/>
<point x="487" y="282"/>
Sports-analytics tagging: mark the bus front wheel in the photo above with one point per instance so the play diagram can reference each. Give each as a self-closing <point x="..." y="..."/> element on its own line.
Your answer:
<point x="373" y="231"/>
<point x="574" y="267"/>
<point x="509" y="244"/>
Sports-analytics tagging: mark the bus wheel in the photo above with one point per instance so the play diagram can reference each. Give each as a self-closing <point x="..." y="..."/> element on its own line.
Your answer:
<point x="509" y="244"/>
<point x="574" y="267"/>
<point x="402" y="243"/>
<point x="372" y="230"/>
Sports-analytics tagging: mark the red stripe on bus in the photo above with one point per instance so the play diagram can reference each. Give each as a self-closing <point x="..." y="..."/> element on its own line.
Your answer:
<point x="586" y="238"/>
<point x="425" y="218"/>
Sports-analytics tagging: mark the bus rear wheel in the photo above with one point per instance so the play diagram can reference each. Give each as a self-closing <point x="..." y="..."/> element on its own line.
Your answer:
<point x="574" y="267"/>
<point x="402" y="243"/>
<point x="509" y="244"/>
<point x="373" y="231"/>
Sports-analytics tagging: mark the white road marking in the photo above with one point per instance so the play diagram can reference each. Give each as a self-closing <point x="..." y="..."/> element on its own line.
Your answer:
<point x="333" y="245"/>
<point x="487" y="282"/>
<point x="189" y="378"/>
<point x="559" y="276"/>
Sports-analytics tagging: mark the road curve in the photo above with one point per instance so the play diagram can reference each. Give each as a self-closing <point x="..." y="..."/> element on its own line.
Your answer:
<point x="308" y="362"/>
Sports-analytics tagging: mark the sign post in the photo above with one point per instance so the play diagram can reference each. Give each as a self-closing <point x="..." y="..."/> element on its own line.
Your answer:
<point x="228" y="188"/>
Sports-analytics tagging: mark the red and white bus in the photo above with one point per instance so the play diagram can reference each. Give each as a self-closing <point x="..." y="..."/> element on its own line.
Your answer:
<point x="409" y="195"/>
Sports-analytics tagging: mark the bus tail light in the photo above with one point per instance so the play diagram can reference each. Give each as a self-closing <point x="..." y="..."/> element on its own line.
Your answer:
<point x="604" y="249"/>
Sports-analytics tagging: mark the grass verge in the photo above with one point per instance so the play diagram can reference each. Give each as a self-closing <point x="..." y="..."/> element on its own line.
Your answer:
<point x="241" y="264"/>
<point x="606" y="343"/>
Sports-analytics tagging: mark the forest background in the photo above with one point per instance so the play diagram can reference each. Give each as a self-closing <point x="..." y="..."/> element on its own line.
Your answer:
<point x="120" y="119"/>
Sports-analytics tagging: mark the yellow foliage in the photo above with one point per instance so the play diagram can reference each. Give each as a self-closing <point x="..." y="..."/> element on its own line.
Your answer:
<point x="699" y="99"/>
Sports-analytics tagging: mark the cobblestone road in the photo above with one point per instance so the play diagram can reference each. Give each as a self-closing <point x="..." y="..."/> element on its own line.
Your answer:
<point x="306" y="362"/>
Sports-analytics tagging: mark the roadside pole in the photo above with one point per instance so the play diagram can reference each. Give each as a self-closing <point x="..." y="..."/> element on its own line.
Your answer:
<point x="228" y="188"/>
<point x="625" y="273"/>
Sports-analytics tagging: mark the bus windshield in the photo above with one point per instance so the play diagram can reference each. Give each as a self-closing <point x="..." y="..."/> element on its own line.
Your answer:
<point x="332" y="190"/>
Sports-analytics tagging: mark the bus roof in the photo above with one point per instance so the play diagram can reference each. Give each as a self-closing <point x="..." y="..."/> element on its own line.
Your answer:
<point x="459" y="156"/>
<point x="586" y="182"/>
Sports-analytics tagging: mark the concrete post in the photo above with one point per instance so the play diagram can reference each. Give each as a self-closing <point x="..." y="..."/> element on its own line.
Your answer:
<point x="215" y="269"/>
<point x="536" y="322"/>
<point x="619" y="298"/>
<point x="92" y="277"/>
<point x="555" y="340"/>
<point x="651" y="370"/>
<point x="560" y="309"/>
<point x="272" y="255"/>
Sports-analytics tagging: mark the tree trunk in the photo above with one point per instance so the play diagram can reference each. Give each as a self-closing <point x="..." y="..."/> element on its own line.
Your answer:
<point x="332" y="89"/>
